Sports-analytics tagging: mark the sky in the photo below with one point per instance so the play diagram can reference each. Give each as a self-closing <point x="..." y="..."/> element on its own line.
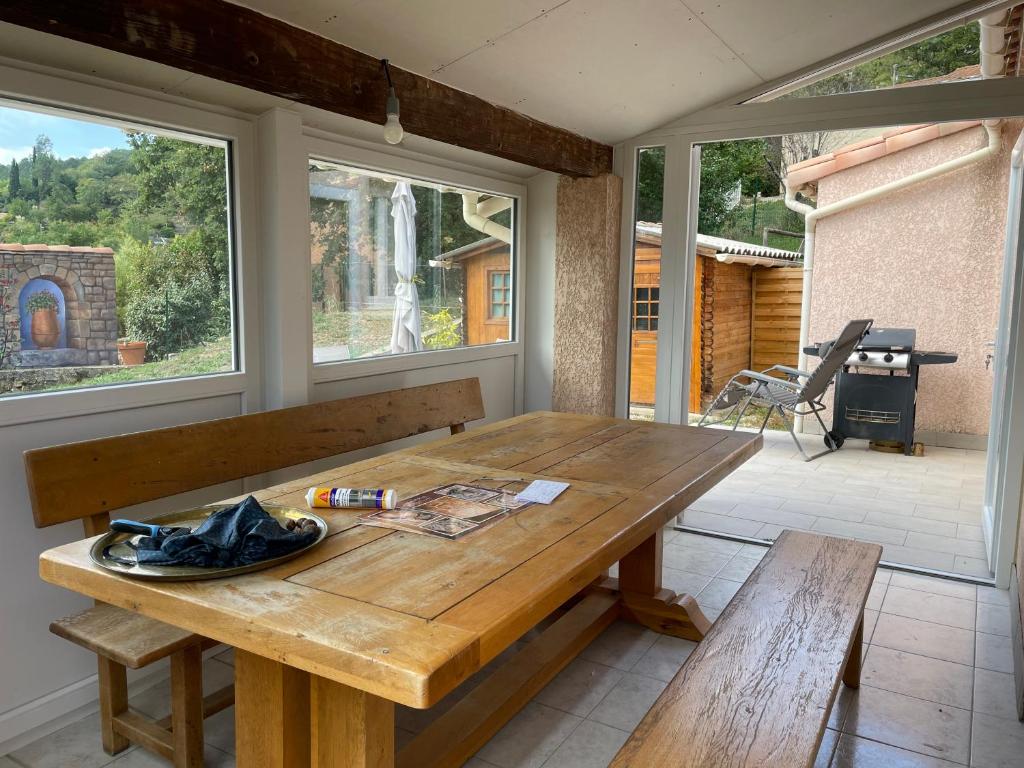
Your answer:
<point x="71" y="138"/>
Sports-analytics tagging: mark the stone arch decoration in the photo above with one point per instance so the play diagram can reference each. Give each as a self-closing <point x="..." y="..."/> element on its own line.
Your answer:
<point x="85" y="279"/>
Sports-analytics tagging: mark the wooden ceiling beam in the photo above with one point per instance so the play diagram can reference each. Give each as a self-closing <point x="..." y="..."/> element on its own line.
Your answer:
<point x="238" y="45"/>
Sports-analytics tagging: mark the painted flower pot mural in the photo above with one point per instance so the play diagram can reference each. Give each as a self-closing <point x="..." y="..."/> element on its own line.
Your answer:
<point x="42" y="305"/>
<point x="131" y="352"/>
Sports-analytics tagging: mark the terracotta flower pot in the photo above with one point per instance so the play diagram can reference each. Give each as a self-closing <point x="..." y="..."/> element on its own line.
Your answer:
<point x="131" y="352"/>
<point x="45" y="328"/>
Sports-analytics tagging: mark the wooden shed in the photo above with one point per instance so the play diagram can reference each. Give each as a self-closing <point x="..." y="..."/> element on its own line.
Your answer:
<point x="486" y="268"/>
<point x="747" y="312"/>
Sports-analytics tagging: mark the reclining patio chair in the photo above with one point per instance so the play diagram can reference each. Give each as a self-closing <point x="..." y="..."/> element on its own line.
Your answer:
<point x="799" y="388"/>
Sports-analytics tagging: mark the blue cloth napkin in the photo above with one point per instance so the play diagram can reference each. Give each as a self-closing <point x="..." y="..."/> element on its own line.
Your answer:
<point x="242" y="534"/>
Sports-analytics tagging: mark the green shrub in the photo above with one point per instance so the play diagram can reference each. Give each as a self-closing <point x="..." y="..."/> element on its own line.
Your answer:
<point x="41" y="300"/>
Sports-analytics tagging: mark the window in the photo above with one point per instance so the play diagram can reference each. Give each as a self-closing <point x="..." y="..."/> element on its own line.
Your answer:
<point x="500" y="296"/>
<point x="645" y="309"/>
<point x="400" y="265"/>
<point x="115" y="253"/>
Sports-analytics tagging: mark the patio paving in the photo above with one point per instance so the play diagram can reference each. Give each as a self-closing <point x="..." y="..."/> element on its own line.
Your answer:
<point x="925" y="511"/>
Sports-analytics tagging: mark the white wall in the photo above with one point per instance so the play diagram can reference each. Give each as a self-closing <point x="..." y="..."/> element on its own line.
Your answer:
<point x="43" y="677"/>
<point x="540" y="287"/>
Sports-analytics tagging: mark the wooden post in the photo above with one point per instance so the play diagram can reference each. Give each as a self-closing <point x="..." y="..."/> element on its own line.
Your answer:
<point x="350" y="727"/>
<point x="113" y="701"/>
<point x="187" y="706"/>
<point x="271" y="713"/>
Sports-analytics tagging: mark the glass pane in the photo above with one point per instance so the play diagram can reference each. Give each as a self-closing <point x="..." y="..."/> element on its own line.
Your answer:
<point x="642" y="294"/>
<point x="650" y="174"/>
<point x="654" y="323"/>
<point x="654" y="293"/>
<point x="654" y="309"/>
<point x="393" y="264"/>
<point x="641" y="324"/>
<point x="643" y="309"/>
<point x="129" y="276"/>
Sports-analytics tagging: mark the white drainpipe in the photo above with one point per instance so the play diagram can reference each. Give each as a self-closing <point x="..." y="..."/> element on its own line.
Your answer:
<point x="475" y="215"/>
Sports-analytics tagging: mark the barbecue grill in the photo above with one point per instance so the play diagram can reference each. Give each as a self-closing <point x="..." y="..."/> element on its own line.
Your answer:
<point x="876" y="391"/>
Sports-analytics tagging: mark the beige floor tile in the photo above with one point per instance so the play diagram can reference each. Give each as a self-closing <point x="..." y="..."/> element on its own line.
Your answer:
<point x="938" y="609"/>
<point x="920" y="558"/>
<point x="971" y="566"/>
<point x="993" y="652"/>
<point x="725" y="494"/>
<point x="792" y="491"/>
<point x="996" y="743"/>
<point x="874" y="533"/>
<point x="77" y="745"/>
<point x="683" y="582"/>
<point x="876" y="595"/>
<point x="578" y="688"/>
<point x="922" y="677"/>
<point x="883" y="576"/>
<point x="969" y="532"/>
<point x="739" y="568"/>
<point x="710" y="543"/>
<point x="529" y="738"/>
<point x="773" y="516"/>
<point x="911" y="523"/>
<point x="227" y="656"/>
<point x="627" y="703"/>
<point x="703" y="561"/>
<point x="219" y="730"/>
<point x="993" y="619"/>
<point x="721" y="523"/>
<point x="769" y="532"/>
<point x="829" y="510"/>
<point x="718" y="593"/>
<point x="855" y="752"/>
<point x="950" y="515"/>
<point x="754" y="550"/>
<point x="713" y="505"/>
<point x="934" y="585"/>
<point x="950" y="544"/>
<point x="994" y="694"/>
<point x="140" y="758"/>
<point x="826" y="748"/>
<point x="870" y="620"/>
<point x="155" y="701"/>
<point x="591" y="745"/>
<point x="621" y="645"/>
<point x="901" y="721"/>
<point x="993" y="596"/>
<point x="664" y="658"/>
<point x="927" y="639"/>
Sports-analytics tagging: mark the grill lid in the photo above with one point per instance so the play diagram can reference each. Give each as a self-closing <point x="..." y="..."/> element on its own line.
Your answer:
<point x="888" y="340"/>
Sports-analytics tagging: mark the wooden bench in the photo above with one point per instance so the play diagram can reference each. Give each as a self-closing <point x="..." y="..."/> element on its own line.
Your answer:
<point x="89" y="480"/>
<point x="758" y="689"/>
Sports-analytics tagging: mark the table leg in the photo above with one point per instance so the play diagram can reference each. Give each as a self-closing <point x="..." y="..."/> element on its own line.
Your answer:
<point x="646" y="602"/>
<point x="272" y="714"/>
<point x="350" y="727"/>
<point x="851" y="672"/>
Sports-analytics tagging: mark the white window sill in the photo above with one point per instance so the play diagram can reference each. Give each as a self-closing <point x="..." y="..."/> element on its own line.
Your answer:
<point x="371" y="366"/>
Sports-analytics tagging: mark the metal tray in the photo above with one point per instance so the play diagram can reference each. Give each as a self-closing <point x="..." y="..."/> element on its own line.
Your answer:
<point x="113" y="543"/>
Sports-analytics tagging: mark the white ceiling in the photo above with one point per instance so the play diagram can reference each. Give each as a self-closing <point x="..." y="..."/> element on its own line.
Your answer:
<point x="608" y="69"/>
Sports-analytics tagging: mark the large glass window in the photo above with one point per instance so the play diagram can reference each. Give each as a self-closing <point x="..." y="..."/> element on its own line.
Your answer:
<point x="403" y="266"/>
<point x="115" y="253"/>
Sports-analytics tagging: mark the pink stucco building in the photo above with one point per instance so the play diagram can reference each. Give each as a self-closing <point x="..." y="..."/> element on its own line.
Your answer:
<point x="928" y="257"/>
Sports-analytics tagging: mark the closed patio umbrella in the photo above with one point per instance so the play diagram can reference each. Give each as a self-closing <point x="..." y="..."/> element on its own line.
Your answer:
<point x="405" y="333"/>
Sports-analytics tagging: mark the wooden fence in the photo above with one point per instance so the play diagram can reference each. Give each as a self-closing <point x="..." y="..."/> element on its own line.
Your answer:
<point x="775" y="317"/>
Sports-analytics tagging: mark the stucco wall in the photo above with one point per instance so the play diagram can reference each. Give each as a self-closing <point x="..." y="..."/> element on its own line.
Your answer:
<point x="586" y="294"/>
<point x="929" y="257"/>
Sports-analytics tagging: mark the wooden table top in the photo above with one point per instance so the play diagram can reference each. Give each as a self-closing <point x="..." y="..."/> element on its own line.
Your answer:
<point x="408" y="617"/>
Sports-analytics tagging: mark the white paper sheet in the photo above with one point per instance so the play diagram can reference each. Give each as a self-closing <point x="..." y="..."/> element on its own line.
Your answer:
<point x="542" y="491"/>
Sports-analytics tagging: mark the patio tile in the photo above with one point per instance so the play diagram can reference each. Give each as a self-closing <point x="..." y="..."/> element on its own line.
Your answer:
<point x="140" y="758"/>
<point x="739" y="568"/>
<point x="696" y="541"/>
<point x="720" y="523"/>
<point x="876" y="595"/>
<point x="627" y="703"/>
<point x="994" y="694"/>
<point x="993" y="652"/>
<point x="870" y="620"/>
<point x="902" y="721"/>
<point x="873" y="533"/>
<point x="971" y="566"/>
<point x="789" y="492"/>
<point x="705" y="562"/>
<point x="921" y="558"/>
<point x="155" y="701"/>
<point x="883" y="576"/>
<point x="939" y="609"/>
<point x="754" y="550"/>
<point x="942" y="682"/>
<point x="911" y="523"/>
<point x="591" y="745"/>
<point x="529" y="738"/>
<point x="77" y="745"/>
<point x="969" y="532"/>
<point x="775" y="516"/>
<point x="857" y="500"/>
<point x="718" y="593"/>
<point x="833" y="511"/>
<point x="934" y="585"/>
<point x="713" y="505"/>
<point x="826" y="748"/>
<point x="993" y="596"/>
<point x="996" y="743"/>
<point x="952" y="545"/>
<point x="621" y="645"/>
<point x="664" y="658"/>
<point x="956" y="515"/>
<point x="993" y="619"/>
<point x="769" y="532"/>
<point x="683" y="582"/>
<point x="219" y="730"/>
<point x="855" y="752"/>
<point x="720" y="493"/>
<point x="925" y="638"/>
<point x="578" y="688"/>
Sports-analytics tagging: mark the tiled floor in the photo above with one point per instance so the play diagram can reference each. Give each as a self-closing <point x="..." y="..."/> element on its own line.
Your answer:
<point x="937" y="684"/>
<point x="925" y="511"/>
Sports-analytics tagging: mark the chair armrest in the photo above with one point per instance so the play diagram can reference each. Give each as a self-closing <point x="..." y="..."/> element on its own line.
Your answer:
<point x="794" y="372"/>
<point x="766" y="379"/>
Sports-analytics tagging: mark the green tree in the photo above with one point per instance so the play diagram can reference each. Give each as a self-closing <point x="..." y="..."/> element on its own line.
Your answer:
<point x="650" y="184"/>
<point x="43" y="167"/>
<point x="14" y="184"/>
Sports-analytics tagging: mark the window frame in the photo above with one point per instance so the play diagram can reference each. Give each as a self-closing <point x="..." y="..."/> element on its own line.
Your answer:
<point x="85" y="101"/>
<point x="358" y="155"/>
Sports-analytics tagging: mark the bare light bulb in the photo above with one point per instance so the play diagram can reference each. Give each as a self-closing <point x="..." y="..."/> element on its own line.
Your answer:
<point x="393" y="131"/>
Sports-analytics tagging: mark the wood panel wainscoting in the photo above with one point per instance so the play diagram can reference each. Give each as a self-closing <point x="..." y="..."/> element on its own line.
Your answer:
<point x="373" y="617"/>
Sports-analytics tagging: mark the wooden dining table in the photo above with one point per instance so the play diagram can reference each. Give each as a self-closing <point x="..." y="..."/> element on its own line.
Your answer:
<point x="329" y="643"/>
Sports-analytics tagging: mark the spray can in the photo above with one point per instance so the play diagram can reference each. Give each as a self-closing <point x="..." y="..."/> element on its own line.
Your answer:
<point x="360" y="498"/>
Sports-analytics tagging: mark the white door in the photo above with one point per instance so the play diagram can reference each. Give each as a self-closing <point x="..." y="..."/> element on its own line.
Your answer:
<point x="1003" y="478"/>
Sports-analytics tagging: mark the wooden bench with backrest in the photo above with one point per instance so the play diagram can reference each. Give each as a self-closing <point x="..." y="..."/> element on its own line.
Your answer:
<point x="89" y="480"/>
<point x="758" y="689"/>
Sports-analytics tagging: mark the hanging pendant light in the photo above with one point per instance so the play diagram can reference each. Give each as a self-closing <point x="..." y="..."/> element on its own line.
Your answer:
<point x="393" y="131"/>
